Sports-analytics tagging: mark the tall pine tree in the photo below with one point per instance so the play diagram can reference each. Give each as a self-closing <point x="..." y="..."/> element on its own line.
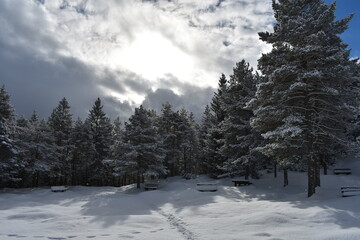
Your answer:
<point x="302" y="106"/>
<point x="171" y="138"/>
<point x="205" y="127"/>
<point x="143" y="154"/>
<point x="100" y="129"/>
<point x="60" y="122"/>
<point x="239" y="137"/>
<point x="215" y="138"/>
<point x="8" y="164"/>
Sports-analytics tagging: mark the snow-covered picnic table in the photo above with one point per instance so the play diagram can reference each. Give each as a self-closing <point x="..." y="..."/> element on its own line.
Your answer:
<point x="151" y="186"/>
<point x="59" y="188"/>
<point x="206" y="187"/>
<point x="350" y="191"/>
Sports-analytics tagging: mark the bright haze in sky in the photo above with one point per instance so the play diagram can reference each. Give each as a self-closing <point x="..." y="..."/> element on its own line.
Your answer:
<point x="127" y="52"/>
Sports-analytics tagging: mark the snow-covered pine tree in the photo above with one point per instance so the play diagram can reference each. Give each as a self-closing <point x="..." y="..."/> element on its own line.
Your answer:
<point x="171" y="140"/>
<point x="239" y="137"/>
<point x="60" y="122"/>
<point x="302" y="106"/>
<point x="117" y="129"/>
<point x="116" y="153"/>
<point x="354" y="132"/>
<point x="9" y="166"/>
<point x="205" y="158"/>
<point x="83" y="152"/>
<point x="37" y="151"/>
<point x="217" y="104"/>
<point x="186" y="129"/>
<point x="142" y="147"/>
<point x="6" y="109"/>
<point x="100" y="129"/>
<point x="215" y="138"/>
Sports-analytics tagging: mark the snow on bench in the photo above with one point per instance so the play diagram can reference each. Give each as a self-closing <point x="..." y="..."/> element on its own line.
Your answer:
<point x="151" y="186"/>
<point x="350" y="191"/>
<point x="206" y="187"/>
<point x="338" y="171"/>
<point x="59" y="188"/>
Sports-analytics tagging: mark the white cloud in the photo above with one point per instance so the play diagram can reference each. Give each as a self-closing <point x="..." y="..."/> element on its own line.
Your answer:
<point x="195" y="41"/>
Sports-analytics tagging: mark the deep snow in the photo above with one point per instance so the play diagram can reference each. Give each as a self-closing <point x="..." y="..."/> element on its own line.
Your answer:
<point x="264" y="210"/>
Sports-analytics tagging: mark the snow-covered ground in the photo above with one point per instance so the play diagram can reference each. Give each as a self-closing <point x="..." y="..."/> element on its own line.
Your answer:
<point x="264" y="210"/>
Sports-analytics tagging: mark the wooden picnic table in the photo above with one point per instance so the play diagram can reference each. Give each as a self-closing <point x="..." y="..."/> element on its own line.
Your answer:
<point x="241" y="182"/>
<point x="350" y="191"/>
<point x="338" y="171"/>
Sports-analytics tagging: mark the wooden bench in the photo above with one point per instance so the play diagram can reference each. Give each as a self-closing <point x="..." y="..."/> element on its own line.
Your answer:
<point x="338" y="171"/>
<point x="241" y="182"/>
<point x="151" y="186"/>
<point x="206" y="187"/>
<point x="59" y="188"/>
<point x="350" y="191"/>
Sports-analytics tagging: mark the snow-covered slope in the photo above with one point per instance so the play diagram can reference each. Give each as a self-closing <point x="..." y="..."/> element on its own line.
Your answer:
<point x="264" y="210"/>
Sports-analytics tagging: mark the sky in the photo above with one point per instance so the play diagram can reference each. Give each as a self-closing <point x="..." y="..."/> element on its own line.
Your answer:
<point x="130" y="53"/>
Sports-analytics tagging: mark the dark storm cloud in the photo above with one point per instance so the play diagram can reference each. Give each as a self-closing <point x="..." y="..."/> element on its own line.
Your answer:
<point x="121" y="81"/>
<point x="192" y="98"/>
<point x="39" y="85"/>
<point x="137" y="83"/>
<point x="155" y="99"/>
<point x="115" y="108"/>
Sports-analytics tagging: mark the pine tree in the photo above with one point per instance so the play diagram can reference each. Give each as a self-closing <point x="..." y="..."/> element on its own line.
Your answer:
<point x="60" y="123"/>
<point x="215" y="138"/>
<point x="9" y="165"/>
<point x="117" y="129"/>
<point x="37" y="152"/>
<point x="217" y="103"/>
<point x="204" y="131"/>
<point x="302" y="106"/>
<point x="186" y="130"/>
<point x="100" y="129"/>
<point x="116" y="153"/>
<point x="171" y="139"/>
<point x="6" y="109"/>
<point x="239" y="138"/>
<point x="143" y="156"/>
<point x="83" y="153"/>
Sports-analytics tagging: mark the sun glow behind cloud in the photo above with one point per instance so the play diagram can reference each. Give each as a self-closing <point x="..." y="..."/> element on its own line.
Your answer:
<point x="152" y="56"/>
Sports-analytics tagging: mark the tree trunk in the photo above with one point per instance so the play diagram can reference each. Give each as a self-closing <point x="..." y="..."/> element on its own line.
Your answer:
<point x="311" y="175"/>
<point x="33" y="176"/>
<point x="138" y="181"/>
<point x="286" y="177"/>
<point x="324" y="164"/>
<point x="247" y="172"/>
<point x="311" y="171"/>
<point x="317" y="173"/>
<point x="275" y="169"/>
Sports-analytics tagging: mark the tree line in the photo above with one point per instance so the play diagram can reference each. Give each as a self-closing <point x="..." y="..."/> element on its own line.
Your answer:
<point x="299" y="111"/>
<point x="96" y="151"/>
